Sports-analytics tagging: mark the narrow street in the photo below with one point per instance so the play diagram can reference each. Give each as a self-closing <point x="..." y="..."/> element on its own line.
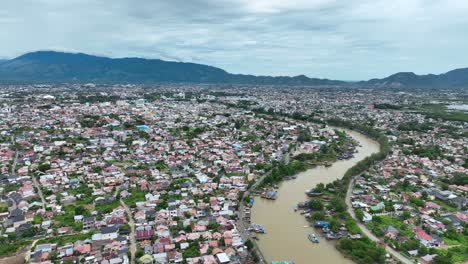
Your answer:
<point x="132" y="232"/>
<point x="367" y="232"/>
<point x="39" y="191"/>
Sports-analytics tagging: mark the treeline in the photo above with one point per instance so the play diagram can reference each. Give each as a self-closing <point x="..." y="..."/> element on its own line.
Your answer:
<point x="415" y="126"/>
<point x="282" y="170"/>
<point x="360" y="250"/>
<point x="387" y="106"/>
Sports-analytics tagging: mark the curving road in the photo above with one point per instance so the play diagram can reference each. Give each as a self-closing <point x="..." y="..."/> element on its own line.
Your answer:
<point x="367" y="232"/>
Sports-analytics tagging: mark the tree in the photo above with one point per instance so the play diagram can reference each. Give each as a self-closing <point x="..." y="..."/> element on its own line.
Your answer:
<point x="319" y="188"/>
<point x="334" y="224"/>
<point x="416" y="201"/>
<point x="315" y="204"/>
<point x="422" y="251"/>
<point x="139" y="253"/>
<point x="359" y="214"/>
<point x="406" y="215"/>
<point x="43" y="167"/>
<point x="441" y="260"/>
<point x="339" y="205"/>
<point x="317" y="216"/>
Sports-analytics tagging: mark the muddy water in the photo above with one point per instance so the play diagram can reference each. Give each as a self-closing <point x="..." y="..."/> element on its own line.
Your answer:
<point x="286" y="237"/>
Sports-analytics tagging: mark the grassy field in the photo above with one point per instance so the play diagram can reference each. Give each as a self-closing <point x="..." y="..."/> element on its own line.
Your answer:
<point x="441" y="111"/>
<point x="10" y="248"/>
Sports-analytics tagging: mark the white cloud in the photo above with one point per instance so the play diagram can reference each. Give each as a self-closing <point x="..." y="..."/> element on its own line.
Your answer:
<point x="320" y="38"/>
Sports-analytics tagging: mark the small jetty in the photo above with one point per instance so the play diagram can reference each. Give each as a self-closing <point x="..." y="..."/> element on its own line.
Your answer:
<point x="313" y="238"/>
<point x="270" y="194"/>
<point x="256" y="228"/>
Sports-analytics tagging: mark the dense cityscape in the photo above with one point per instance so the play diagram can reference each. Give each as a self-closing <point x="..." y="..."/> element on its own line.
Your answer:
<point x="173" y="173"/>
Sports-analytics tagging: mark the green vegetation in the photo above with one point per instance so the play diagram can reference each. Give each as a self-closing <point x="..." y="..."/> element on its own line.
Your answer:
<point x="459" y="179"/>
<point x="387" y="106"/>
<point x="191" y="251"/>
<point x="315" y="204"/>
<point x="90" y="121"/>
<point x="439" y="111"/>
<point x="135" y="196"/>
<point x="282" y="170"/>
<point x="362" y="251"/>
<point x="107" y="207"/>
<point x="414" y="126"/>
<point x="431" y="152"/>
<point x="378" y="223"/>
<point x="67" y="217"/>
<point x="8" y="247"/>
<point x="43" y="167"/>
<point x="325" y="153"/>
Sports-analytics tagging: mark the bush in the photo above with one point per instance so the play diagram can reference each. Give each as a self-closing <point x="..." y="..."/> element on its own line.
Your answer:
<point x="315" y="204"/>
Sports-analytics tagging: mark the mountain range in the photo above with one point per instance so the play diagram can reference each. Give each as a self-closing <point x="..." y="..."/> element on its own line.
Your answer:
<point x="52" y="66"/>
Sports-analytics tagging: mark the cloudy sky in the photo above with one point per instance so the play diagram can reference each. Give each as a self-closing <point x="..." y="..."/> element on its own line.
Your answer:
<point x="339" y="39"/>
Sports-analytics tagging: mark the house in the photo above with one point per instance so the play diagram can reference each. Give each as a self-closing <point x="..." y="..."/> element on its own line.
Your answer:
<point x="432" y="206"/>
<point x="426" y="239"/>
<point x="366" y="217"/>
<point x="107" y="233"/>
<point x="222" y="258"/>
<point x="378" y="207"/>
<point x="160" y="257"/>
<point x="143" y="233"/>
<point x="427" y="259"/>
<point x="89" y="222"/>
<point x="147" y="259"/>
<point x="390" y="232"/>
<point x="460" y="202"/>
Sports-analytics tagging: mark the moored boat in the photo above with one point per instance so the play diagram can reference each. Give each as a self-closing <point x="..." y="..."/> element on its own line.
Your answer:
<point x="313" y="238"/>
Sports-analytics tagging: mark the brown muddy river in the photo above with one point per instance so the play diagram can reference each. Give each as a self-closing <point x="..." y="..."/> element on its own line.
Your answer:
<point x="286" y="236"/>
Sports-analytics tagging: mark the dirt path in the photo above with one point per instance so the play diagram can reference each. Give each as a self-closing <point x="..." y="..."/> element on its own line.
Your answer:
<point x="132" y="232"/>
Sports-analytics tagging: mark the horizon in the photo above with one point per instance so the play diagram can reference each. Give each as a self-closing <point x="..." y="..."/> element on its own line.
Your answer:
<point x="168" y="60"/>
<point x="321" y="38"/>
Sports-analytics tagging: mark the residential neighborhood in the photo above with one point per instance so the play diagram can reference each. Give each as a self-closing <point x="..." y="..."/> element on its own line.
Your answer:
<point x="129" y="174"/>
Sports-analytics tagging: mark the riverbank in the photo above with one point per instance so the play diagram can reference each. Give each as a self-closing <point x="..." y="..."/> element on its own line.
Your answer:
<point x="343" y="148"/>
<point x="286" y="237"/>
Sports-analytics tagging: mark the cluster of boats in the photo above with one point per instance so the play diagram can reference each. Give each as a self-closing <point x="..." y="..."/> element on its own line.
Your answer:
<point x="257" y="228"/>
<point x="293" y="177"/>
<point x="270" y="194"/>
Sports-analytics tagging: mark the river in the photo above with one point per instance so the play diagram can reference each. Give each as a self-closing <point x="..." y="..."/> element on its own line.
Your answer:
<point x="286" y="236"/>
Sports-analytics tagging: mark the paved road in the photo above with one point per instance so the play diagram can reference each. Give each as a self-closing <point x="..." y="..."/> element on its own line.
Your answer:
<point x="132" y="232"/>
<point x="39" y="191"/>
<point x="368" y="233"/>
<point x="28" y="253"/>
